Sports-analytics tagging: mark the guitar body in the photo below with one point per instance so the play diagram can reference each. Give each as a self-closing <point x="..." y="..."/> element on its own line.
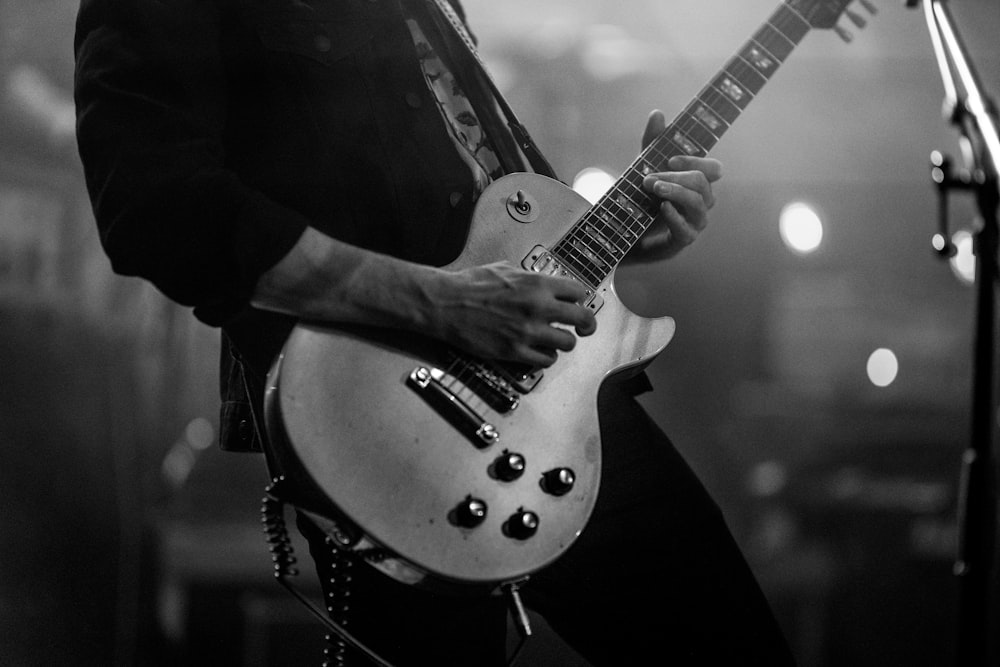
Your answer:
<point x="390" y="460"/>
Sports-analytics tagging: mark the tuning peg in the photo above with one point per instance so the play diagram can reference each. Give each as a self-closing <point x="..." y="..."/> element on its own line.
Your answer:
<point x="844" y="33"/>
<point x="867" y="4"/>
<point x="857" y="19"/>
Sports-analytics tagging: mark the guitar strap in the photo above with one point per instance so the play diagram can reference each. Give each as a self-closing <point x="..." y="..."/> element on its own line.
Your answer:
<point x="469" y="60"/>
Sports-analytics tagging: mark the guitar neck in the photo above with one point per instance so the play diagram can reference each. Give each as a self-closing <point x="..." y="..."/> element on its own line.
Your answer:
<point x="598" y="242"/>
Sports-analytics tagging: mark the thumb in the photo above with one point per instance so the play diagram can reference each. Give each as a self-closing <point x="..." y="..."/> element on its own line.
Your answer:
<point x="655" y="126"/>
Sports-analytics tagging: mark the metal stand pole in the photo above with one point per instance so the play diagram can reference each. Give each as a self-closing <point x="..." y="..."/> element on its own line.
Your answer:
<point x="975" y="117"/>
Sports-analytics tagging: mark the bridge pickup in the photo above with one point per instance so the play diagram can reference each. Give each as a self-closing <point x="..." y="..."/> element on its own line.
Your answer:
<point x="523" y="377"/>
<point x="540" y="260"/>
<point x="428" y="383"/>
<point x="489" y="385"/>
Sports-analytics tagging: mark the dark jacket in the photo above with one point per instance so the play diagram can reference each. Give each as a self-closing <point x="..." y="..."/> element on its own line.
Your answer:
<point x="212" y="132"/>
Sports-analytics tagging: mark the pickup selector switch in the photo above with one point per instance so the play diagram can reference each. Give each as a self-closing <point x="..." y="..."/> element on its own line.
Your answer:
<point x="558" y="481"/>
<point x="509" y="466"/>
<point x="470" y="512"/>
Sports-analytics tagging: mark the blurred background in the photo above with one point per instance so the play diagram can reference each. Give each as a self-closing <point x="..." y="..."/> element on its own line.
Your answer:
<point x="819" y="382"/>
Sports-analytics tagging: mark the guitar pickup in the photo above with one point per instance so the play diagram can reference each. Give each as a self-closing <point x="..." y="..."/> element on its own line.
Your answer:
<point x="523" y="377"/>
<point x="540" y="260"/>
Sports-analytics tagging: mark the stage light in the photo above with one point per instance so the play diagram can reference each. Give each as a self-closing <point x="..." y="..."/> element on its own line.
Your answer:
<point x="592" y="183"/>
<point x="963" y="264"/>
<point x="801" y="228"/>
<point x="882" y="367"/>
<point x="199" y="433"/>
<point x="768" y="478"/>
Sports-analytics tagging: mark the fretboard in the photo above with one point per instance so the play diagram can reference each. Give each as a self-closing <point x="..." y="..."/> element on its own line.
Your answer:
<point x="596" y="244"/>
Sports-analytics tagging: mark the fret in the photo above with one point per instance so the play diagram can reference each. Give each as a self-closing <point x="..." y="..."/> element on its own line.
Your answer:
<point x="732" y="90"/>
<point x="640" y="199"/>
<point x="590" y="237"/>
<point x="635" y="201"/>
<point x="616" y="216"/>
<point x="634" y="176"/>
<point x="631" y="229"/>
<point x="774" y="42"/>
<point x="577" y="262"/>
<point x="592" y="244"/>
<point x="626" y="216"/>
<point x="660" y="149"/>
<point x="697" y="130"/>
<point x="618" y="211"/>
<point x="655" y="156"/>
<point x="744" y="72"/>
<point x="707" y="117"/>
<point x="582" y="243"/>
<point x="584" y="265"/>
<point x="684" y="142"/>
<point x="719" y="104"/>
<point x="758" y="56"/>
<point x="606" y="244"/>
<point x="631" y="178"/>
<point x="632" y="211"/>
<point x="642" y="166"/>
<point x="628" y="234"/>
<point x="789" y="23"/>
<point x="606" y="233"/>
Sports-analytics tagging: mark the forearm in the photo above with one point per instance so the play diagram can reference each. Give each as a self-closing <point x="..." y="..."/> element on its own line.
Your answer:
<point x="328" y="280"/>
<point x="498" y="311"/>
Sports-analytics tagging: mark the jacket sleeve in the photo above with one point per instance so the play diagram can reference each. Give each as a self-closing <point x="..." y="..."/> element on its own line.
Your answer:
<point x="151" y="110"/>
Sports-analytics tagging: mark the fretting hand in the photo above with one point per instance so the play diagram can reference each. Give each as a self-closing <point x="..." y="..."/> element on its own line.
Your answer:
<point x="686" y="196"/>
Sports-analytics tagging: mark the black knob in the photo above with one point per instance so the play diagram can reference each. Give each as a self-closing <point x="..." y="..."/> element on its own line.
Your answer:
<point x="470" y="512"/>
<point x="522" y="524"/>
<point x="509" y="466"/>
<point x="558" y="481"/>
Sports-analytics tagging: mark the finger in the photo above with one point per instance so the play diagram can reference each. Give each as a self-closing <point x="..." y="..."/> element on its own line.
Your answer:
<point x="682" y="231"/>
<point x="657" y="244"/>
<point x="692" y="203"/>
<point x="551" y="338"/>
<point x="711" y="167"/>
<point x="536" y="357"/>
<point x="694" y="181"/>
<point x="655" y="125"/>
<point x="563" y="289"/>
<point x="575" y="315"/>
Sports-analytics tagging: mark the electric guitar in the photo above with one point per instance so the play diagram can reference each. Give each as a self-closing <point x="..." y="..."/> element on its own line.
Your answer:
<point x="445" y="470"/>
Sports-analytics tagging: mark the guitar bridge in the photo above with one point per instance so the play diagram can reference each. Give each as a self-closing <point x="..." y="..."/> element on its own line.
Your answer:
<point x="428" y="382"/>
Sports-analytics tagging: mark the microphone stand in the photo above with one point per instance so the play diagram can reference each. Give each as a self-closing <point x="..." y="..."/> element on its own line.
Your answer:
<point x="975" y="117"/>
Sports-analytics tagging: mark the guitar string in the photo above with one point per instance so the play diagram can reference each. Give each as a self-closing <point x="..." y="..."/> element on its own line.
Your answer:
<point x="465" y="373"/>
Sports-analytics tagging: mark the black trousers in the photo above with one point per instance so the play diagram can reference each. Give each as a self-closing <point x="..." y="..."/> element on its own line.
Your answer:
<point x="655" y="578"/>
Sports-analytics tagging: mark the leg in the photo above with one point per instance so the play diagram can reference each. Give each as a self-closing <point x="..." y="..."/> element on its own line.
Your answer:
<point x="656" y="572"/>
<point x="406" y="625"/>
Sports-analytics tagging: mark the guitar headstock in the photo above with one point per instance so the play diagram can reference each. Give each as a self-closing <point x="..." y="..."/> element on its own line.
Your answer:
<point x="825" y="14"/>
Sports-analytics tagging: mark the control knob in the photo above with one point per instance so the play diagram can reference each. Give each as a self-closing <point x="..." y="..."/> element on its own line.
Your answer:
<point x="558" y="481"/>
<point x="470" y="512"/>
<point x="522" y="524"/>
<point x="509" y="466"/>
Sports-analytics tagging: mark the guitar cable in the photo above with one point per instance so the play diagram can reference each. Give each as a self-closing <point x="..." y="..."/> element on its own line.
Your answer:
<point x="338" y="575"/>
<point x="283" y="555"/>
